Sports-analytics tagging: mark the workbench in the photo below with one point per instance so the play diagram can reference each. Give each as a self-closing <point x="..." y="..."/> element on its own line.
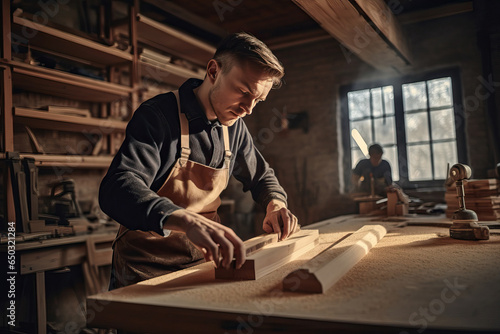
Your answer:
<point x="415" y="280"/>
<point x="38" y="257"/>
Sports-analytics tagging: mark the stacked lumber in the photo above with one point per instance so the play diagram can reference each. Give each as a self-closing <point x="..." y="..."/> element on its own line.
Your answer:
<point x="481" y="196"/>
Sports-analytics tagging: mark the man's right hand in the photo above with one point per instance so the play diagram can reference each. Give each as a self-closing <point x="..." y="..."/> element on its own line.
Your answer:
<point x="219" y="243"/>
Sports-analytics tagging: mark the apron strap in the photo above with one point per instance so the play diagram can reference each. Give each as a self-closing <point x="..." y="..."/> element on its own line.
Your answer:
<point x="227" y="151"/>
<point x="185" y="150"/>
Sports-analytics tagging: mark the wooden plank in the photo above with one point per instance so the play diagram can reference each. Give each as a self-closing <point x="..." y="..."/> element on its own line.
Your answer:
<point x="67" y="85"/>
<point x="188" y="16"/>
<point x="366" y="28"/>
<point x="271" y="257"/>
<point x="7" y="124"/>
<point x="173" y="41"/>
<point x="8" y="120"/>
<point x="46" y="120"/>
<point x="323" y="271"/>
<point x="168" y="73"/>
<point x="65" y="43"/>
<point x="70" y="161"/>
<point x="6" y="30"/>
<point x="41" y="303"/>
<point x="52" y="258"/>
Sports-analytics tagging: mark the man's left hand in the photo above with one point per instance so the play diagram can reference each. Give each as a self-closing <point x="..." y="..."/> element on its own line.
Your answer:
<point x="279" y="220"/>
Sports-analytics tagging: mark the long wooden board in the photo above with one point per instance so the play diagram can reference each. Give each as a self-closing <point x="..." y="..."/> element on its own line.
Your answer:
<point x="321" y="272"/>
<point x="271" y="256"/>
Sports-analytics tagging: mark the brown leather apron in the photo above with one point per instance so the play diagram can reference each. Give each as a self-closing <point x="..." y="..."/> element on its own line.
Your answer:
<point x="140" y="255"/>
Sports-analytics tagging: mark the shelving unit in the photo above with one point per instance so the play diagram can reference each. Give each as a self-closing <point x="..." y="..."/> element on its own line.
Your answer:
<point x="22" y="76"/>
<point x="103" y="96"/>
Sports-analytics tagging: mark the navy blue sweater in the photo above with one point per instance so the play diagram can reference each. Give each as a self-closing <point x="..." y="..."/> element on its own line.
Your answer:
<point x="151" y="147"/>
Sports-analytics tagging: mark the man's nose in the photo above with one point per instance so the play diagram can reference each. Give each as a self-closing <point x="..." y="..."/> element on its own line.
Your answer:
<point x="247" y="106"/>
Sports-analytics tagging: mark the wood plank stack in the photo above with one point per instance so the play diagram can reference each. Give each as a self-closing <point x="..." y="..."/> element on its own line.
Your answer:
<point x="481" y="196"/>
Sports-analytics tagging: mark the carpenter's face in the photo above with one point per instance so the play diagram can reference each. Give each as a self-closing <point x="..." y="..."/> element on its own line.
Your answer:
<point x="234" y="94"/>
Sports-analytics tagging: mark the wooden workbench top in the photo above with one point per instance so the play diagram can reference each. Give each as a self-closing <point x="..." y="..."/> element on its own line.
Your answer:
<point x="416" y="278"/>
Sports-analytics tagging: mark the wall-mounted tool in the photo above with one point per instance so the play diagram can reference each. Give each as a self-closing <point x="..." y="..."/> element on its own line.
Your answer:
<point x="465" y="224"/>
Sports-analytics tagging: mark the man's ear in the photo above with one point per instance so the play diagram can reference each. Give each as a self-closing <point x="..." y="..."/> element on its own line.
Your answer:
<point x="212" y="70"/>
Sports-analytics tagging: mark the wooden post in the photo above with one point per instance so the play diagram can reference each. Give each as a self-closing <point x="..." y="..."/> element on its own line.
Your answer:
<point x="392" y="201"/>
<point x="41" y="303"/>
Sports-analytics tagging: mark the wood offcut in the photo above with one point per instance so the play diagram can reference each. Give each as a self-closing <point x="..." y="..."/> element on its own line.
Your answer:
<point x="323" y="271"/>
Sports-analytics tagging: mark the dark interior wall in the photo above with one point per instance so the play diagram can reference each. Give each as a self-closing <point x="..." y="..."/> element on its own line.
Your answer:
<point x="306" y="162"/>
<point x="309" y="164"/>
<point x="452" y="41"/>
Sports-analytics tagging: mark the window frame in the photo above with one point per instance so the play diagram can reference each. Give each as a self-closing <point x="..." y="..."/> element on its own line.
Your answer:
<point x="397" y="84"/>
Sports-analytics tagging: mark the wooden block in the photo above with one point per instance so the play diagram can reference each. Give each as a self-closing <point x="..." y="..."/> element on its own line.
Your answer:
<point x="367" y="207"/>
<point x="392" y="200"/>
<point x="271" y="257"/>
<point x="320" y="273"/>
<point x="401" y="209"/>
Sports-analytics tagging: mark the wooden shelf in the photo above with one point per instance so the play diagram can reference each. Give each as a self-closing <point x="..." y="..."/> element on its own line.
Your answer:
<point x="66" y="43"/>
<point x="66" y="85"/>
<point x="52" y="121"/>
<point x="173" y="41"/>
<point x="69" y="161"/>
<point x="170" y="73"/>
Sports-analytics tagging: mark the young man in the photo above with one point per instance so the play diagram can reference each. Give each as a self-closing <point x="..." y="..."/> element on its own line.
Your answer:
<point x="374" y="167"/>
<point x="180" y="148"/>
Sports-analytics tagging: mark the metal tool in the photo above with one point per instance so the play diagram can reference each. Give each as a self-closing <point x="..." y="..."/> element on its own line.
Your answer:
<point x="465" y="224"/>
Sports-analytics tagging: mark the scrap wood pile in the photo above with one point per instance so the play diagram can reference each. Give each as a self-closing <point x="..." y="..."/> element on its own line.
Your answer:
<point x="481" y="196"/>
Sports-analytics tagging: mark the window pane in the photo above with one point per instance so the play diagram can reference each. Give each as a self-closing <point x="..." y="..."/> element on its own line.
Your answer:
<point x="385" y="131"/>
<point x="444" y="153"/>
<point x="414" y="96"/>
<point x="365" y="130"/>
<point x="389" y="100"/>
<point x="359" y="104"/>
<point x="417" y="127"/>
<point x="356" y="156"/>
<point x="377" y="102"/>
<point x="390" y="154"/>
<point x="443" y="124"/>
<point x="440" y="94"/>
<point x="419" y="163"/>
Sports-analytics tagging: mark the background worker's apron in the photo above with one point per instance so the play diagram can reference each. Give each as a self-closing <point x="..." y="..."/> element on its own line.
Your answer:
<point x="140" y="255"/>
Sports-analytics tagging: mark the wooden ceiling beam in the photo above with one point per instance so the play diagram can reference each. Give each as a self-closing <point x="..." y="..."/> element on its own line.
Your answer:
<point x="298" y="39"/>
<point x="366" y="28"/>
<point x="436" y="12"/>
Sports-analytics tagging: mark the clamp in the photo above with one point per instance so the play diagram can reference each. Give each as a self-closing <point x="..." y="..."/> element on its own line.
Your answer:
<point x="465" y="222"/>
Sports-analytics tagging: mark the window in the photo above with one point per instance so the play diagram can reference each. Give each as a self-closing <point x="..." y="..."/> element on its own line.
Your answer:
<point x="417" y="121"/>
<point x="372" y="120"/>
